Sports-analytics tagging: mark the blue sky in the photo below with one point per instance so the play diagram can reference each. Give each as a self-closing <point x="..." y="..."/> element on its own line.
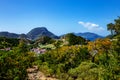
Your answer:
<point x="59" y="16"/>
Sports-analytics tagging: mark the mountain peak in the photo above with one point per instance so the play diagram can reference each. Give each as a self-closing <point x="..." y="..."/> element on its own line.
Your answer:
<point x="40" y="31"/>
<point x="40" y="28"/>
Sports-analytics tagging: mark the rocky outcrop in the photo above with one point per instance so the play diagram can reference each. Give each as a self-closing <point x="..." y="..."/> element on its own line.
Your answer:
<point x="35" y="74"/>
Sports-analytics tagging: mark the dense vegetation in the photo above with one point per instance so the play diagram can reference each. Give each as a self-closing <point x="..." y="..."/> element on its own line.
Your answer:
<point x="8" y="42"/>
<point x="13" y="64"/>
<point x="73" y="39"/>
<point x="77" y="60"/>
<point x="97" y="60"/>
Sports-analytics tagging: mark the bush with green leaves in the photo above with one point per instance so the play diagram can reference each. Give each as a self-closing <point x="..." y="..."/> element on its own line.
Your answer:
<point x="13" y="64"/>
<point x="58" y="62"/>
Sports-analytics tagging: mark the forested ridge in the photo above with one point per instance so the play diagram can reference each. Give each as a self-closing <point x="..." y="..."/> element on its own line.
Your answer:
<point x="68" y="58"/>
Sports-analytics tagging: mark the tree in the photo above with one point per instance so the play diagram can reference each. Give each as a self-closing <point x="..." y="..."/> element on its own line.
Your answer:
<point x="116" y="44"/>
<point x="57" y="45"/>
<point x="117" y="25"/>
<point x="8" y="42"/>
<point x="99" y="46"/>
<point x="111" y="27"/>
<point x="114" y="28"/>
<point x="22" y="47"/>
<point x="85" y="71"/>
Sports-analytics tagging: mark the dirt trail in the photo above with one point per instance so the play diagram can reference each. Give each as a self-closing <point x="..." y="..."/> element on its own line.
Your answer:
<point x="35" y="74"/>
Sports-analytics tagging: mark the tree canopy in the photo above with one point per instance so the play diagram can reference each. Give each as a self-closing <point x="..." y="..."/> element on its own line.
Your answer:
<point x="114" y="27"/>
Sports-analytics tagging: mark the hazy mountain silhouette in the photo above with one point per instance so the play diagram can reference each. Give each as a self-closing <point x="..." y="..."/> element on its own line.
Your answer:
<point x="8" y="34"/>
<point x="35" y="33"/>
<point x="89" y="35"/>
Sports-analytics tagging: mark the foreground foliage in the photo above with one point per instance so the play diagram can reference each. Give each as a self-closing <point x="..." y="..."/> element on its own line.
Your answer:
<point x="76" y="63"/>
<point x="98" y="60"/>
<point x="13" y="64"/>
<point x="58" y="63"/>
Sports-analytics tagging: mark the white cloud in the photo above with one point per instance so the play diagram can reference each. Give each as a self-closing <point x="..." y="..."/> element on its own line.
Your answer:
<point x="91" y="26"/>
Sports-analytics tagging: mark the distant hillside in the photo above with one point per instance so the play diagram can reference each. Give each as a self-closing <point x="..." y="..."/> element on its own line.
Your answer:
<point x="33" y="34"/>
<point x="89" y="36"/>
<point x="40" y="31"/>
<point x="9" y="35"/>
